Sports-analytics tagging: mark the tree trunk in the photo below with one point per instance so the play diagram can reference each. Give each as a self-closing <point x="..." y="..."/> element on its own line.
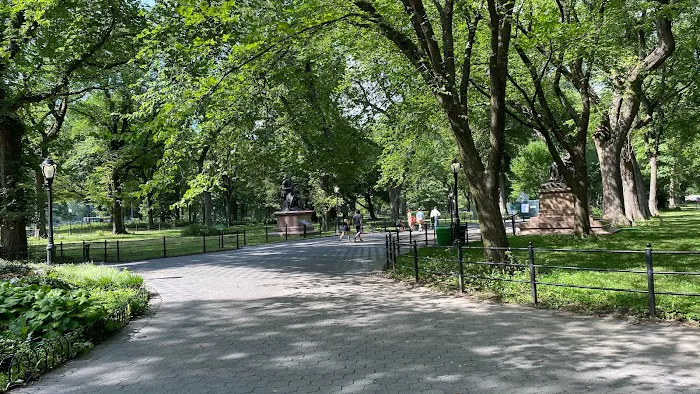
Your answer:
<point x="490" y="221"/>
<point x="502" y="195"/>
<point x="207" y="219"/>
<point x="40" y="200"/>
<point x="653" y="185"/>
<point x="394" y="193"/>
<point x="13" y="212"/>
<point x="579" y="188"/>
<point x="609" y="150"/>
<point x="633" y="209"/>
<point x="149" y="203"/>
<point x="370" y="205"/>
<point x="641" y="187"/>
<point x="117" y="209"/>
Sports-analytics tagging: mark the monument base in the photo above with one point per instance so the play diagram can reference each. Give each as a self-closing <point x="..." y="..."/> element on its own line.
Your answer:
<point x="292" y="222"/>
<point x="556" y="216"/>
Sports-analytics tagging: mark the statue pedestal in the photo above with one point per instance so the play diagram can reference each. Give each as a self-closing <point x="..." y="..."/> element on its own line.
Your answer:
<point x="556" y="216"/>
<point x="293" y="222"/>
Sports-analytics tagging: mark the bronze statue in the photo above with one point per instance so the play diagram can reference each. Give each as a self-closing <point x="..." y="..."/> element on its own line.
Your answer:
<point x="289" y="200"/>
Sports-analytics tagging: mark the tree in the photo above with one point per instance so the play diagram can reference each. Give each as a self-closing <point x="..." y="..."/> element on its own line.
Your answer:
<point x="531" y="169"/>
<point x="432" y="53"/>
<point x="626" y="81"/>
<point x="43" y="46"/>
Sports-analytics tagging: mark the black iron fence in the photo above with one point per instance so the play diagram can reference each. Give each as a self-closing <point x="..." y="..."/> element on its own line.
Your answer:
<point x="29" y="361"/>
<point x="395" y="248"/>
<point x="126" y="250"/>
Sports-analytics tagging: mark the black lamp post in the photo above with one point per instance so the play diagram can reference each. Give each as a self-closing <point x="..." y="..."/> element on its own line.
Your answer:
<point x="48" y="168"/>
<point x="455" y="167"/>
<point x="70" y="221"/>
<point x="336" y="189"/>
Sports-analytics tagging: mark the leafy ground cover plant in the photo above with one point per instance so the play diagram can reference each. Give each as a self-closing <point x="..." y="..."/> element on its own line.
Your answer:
<point x="47" y="307"/>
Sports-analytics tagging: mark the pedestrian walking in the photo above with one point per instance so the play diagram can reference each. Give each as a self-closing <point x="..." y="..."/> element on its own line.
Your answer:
<point x="435" y="217"/>
<point x="344" y="230"/>
<point x="409" y="213"/>
<point x="420" y="218"/>
<point x="357" y="221"/>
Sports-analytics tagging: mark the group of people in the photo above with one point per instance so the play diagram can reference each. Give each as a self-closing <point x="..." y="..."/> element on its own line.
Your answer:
<point x="419" y="218"/>
<point x="345" y="227"/>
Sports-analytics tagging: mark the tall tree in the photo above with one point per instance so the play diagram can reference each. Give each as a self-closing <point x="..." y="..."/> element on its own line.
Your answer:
<point x="432" y="53"/>
<point x="42" y="45"/>
<point x="626" y="84"/>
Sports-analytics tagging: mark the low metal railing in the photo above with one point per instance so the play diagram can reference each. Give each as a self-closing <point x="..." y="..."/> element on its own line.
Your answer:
<point x="394" y="247"/>
<point x="127" y="250"/>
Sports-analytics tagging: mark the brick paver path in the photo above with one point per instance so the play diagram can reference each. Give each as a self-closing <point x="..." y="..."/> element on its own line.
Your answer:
<point x="308" y="317"/>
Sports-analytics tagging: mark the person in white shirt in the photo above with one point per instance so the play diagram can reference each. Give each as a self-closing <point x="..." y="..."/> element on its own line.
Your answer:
<point x="435" y="217"/>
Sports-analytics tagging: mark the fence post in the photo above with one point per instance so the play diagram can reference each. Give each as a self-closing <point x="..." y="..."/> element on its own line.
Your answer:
<point x="426" y="236"/>
<point x="533" y="274"/>
<point x="410" y="235"/>
<point x="61" y="248"/>
<point x="84" y="252"/>
<point x="285" y="233"/>
<point x="386" y="245"/>
<point x="393" y="256"/>
<point x="460" y="259"/>
<point x="266" y="233"/>
<point x="304" y="224"/>
<point x="466" y="233"/>
<point x="164" y="252"/>
<point x="650" y="282"/>
<point x="221" y="239"/>
<point x="118" y="252"/>
<point x="512" y="221"/>
<point x="245" y="239"/>
<point x="204" y="243"/>
<point x="105" y="260"/>
<point x="398" y="242"/>
<point x="415" y="259"/>
<point x="237" y="240"/>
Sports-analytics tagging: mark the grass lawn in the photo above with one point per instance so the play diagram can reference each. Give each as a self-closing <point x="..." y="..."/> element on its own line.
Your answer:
<point x="674" y="231"/>
<point x="149" y="244"/>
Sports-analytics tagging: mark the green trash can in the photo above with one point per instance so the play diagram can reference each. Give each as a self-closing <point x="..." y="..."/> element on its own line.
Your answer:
<point x="444" y="236"/>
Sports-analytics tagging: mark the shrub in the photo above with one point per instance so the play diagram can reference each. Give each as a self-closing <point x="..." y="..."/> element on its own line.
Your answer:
<point x="92" y="276"/>
<point x="31" y="310"/>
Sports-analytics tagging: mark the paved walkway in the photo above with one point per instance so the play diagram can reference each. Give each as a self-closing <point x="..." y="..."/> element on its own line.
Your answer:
<point x="309" y="317"/>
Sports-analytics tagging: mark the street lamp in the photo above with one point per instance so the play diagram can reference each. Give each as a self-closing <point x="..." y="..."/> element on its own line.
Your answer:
<point x="455" y="167"/>
<point x="336" y="189"/>
<point x="70" y="221"/>
<point x="48" y="168"/>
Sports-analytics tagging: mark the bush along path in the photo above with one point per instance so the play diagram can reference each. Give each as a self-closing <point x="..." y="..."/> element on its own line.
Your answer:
<point x="50" y="314"/>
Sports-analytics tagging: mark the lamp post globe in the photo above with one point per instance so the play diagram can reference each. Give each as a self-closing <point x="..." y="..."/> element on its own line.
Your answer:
<point x="48" y="168"/>
<point x="455" y="167"/>
<point x="336" y="189"/>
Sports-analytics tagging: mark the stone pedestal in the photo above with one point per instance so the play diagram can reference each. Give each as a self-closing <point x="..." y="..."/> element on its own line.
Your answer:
<point x="294" y="221"/>
<point x="556" y="216"/>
